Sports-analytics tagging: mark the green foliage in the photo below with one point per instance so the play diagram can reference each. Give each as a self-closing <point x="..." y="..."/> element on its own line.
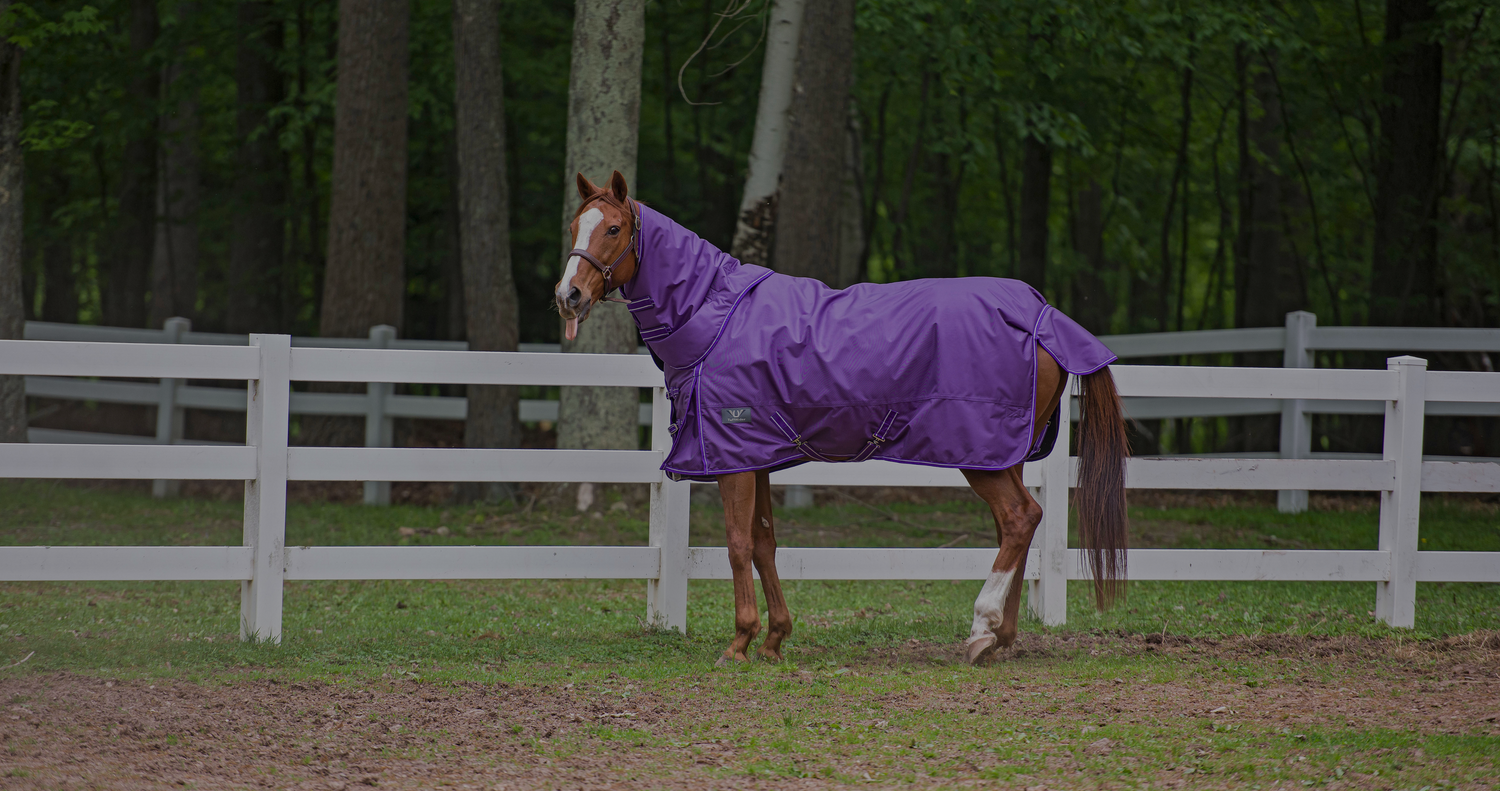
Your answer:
<point x="23" y="26"/>
<point x="1100" y="82"/>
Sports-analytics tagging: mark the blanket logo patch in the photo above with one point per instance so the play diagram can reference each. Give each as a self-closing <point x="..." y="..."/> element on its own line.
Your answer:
<point x="735" y="415"/>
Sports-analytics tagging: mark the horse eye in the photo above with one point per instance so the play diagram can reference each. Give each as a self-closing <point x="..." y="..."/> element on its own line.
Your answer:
<point x="614" y="230"/>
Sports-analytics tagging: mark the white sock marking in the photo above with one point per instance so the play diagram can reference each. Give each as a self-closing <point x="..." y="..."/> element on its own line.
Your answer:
<point x="586" y="225"/>
<point x="989" y="607"/>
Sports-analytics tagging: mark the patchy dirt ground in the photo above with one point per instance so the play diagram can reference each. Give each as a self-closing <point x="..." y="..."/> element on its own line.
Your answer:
<point x="64" y="731"/>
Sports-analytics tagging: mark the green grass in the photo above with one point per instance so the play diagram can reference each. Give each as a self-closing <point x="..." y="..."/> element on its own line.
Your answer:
<point x="361" y="627"/>
<point x="833" y="710"/>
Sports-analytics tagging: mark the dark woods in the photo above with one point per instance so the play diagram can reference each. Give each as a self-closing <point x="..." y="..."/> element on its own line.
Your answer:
<point x="1149" y="166"/>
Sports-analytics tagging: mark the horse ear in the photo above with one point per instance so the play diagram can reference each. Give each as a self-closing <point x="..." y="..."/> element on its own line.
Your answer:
<point x="617" y="187"/>
<point x="586" y="188"/>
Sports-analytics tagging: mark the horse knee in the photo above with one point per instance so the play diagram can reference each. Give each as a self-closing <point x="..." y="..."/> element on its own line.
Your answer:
<point x="1022" y="520"/>
<point x="1029" y="514"/>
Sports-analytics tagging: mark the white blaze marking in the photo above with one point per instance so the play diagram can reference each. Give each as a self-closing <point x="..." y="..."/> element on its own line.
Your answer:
<point x="586" y="225"/>
<point x="989" y="608"/>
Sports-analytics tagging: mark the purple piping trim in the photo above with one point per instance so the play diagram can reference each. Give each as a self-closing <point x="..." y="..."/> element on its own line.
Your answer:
<point x="1112" y="358"/>
<point x="801" y="458"/>
<point x="729" y="315"/>
<point x="1035" y="363"/>
<point x="698" y="410"/>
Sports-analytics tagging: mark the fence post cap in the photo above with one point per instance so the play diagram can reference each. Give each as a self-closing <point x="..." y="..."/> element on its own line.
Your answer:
<point x="1406" y="359"/>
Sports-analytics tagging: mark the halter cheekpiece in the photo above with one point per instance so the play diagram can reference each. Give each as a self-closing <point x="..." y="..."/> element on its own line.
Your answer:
<point x="609" y="271"/>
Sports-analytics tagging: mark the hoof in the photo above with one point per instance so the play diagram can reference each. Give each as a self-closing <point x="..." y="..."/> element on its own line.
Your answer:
<point x="769" y="656"/>
<point x="977" y="648"/>
<point x="728" y="658"/>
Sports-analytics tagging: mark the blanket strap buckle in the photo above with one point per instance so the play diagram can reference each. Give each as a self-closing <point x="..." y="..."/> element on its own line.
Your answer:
<point x="878" y="438"/>
<point x="796" y="439"/>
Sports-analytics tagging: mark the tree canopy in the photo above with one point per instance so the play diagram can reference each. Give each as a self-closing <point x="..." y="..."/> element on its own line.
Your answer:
<point x="1164" y="126"/>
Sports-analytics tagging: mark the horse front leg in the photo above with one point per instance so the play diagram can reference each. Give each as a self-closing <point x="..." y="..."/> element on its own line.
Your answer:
<point x="997" y="608"/>
<point x="764" y="531"/>
<point x="738" y="491"/>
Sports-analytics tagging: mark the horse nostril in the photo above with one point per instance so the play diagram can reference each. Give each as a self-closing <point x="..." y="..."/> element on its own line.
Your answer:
<point x="574" y="295"/>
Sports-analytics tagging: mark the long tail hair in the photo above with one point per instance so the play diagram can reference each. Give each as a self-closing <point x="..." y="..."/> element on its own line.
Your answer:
<point x="1102" y="449"/>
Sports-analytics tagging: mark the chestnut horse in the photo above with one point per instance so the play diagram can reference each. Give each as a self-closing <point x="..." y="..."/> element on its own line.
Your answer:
<point x="604" y="256"/>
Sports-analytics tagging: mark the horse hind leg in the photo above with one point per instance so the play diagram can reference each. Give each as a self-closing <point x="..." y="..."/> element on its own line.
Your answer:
<point x="1017" y="515"/>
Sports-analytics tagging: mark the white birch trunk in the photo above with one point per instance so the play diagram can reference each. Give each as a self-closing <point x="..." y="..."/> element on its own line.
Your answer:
<point x="752" y="234"/>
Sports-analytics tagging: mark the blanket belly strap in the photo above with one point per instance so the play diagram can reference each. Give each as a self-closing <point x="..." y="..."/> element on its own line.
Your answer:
<point x="880" y="437"/>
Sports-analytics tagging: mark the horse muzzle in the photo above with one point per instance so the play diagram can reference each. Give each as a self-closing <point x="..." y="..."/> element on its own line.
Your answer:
<point x="574" y="310"/>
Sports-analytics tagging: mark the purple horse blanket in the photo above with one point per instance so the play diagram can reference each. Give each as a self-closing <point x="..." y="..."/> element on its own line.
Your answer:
<point x="766" y="371"/>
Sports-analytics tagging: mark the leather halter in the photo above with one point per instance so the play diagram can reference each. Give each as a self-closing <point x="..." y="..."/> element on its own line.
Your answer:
<point x="609" y="271"/>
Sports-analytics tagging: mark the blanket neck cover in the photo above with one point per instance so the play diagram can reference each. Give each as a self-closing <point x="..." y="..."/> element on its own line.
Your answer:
<point x="767" y="371"/>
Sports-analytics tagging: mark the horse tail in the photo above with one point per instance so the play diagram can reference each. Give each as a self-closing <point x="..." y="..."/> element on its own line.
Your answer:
<point x="1102" y="449"/>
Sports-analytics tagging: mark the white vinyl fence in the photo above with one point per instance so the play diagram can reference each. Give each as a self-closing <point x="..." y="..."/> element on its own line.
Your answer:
<point x="1297" y="342"/>
<point x="270" y="363"/>
<point x="379" y="405"/>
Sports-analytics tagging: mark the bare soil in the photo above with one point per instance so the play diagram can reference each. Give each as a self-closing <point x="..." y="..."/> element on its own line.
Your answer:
<point x="237" y="731"/>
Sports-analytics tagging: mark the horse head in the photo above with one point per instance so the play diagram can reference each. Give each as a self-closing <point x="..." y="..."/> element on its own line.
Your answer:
<point x="604" y="237"/>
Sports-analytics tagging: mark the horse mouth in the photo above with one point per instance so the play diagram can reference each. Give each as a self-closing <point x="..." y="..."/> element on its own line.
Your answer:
<point x="573" y="317"/>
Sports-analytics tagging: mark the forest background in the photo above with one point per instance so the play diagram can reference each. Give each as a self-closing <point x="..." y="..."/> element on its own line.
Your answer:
<point x="1150" y="166"/>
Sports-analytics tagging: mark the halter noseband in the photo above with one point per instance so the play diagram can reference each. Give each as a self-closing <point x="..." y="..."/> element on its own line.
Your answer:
<point x="609" y="271"/>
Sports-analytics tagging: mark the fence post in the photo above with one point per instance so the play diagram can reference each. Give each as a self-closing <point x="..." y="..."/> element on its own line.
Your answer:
<point x="1296" y="424"/>
<point x="1396" y="598"/>
<point x="169" y="415"/>
<point x="267" y="419"/>
<point x="379" y="429"/>
<point x="797" y="496"/>
<point x="666" y="596"/>
<point x="1048" y="597"/>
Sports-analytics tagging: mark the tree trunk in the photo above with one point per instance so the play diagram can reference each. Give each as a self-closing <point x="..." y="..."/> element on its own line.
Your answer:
<point x="1093" y="299"/>
<point x="604" y="108"/>
<point x="1263" y="267"/>
<point x="808" y="227"/>
<point x="365" y="282"/>
<point x="1179" y="180"/>
<point x="909" y="177"/>
<point x="490" y="301"/>
<point x="129" y="262"/>
<point x="853" y="242"/>
<point x="454" y="324"/>
<point x="12" y="218"/>
<point x="257" y="244"/>
<point x="1405" y="275"/>
<point x="174" y="262"/>
<point x="1036" y="207"/>
<point x="754" y="233"/>
<point x="310" y="203"/>
<point x="60" y="290"/>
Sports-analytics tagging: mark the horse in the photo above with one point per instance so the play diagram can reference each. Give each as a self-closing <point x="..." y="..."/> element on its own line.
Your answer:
<point x="765" y="371"/>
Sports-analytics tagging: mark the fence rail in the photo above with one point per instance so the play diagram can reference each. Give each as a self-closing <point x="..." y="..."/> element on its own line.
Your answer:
<point x="265" y="462"/>
<point x="379" y="405"/>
